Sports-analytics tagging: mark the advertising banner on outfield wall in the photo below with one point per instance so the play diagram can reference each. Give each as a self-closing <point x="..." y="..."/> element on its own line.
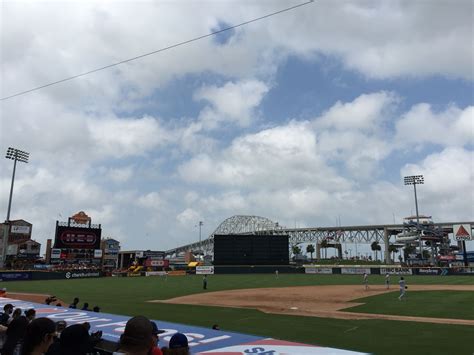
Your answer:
<point x="204" y="270"/>
<point x="395" y="271"/>
<point x="200" y="340"/>
<point x="355" y="270"/>
<point x="317" y="270"/>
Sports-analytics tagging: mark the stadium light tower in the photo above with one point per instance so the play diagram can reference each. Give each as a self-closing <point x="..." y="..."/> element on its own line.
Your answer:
<point x="15" y="155"/>
<point x="416" y="180"/>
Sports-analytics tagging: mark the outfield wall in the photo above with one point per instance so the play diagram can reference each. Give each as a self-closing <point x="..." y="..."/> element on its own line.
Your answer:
<point x="387" y="269"/>
<point x="48" y="275"/>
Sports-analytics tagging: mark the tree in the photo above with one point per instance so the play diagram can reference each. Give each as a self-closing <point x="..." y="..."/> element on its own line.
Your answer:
<point x="324" y="244"/>
<point x="310" y="249"/>
<point x="296" y="249"/>
<point x="375" y="246"/>
<point x="392" y="249"/>
<point x="409" y="249"/>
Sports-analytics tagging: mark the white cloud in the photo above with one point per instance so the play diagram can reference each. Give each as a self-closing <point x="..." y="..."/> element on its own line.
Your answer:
<point x="366" y="112"/>
<point x="152" y="200"/>
<point x="451" y="127"/>
<point x="448" y="183"/>
<point x="281" y="156"/>
<point x="188" y="217"/>
<point x="123" y="137"/>
<point x="120" y="175"/>
<point x="233" y="102"/>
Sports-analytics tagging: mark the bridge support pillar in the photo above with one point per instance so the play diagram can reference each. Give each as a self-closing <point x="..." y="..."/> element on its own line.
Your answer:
<point x="386" y="242"/>
<point x="318" y="251"/>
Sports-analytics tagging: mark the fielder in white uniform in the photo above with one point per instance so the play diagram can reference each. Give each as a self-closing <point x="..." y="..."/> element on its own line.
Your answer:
<point x="403" y="287"/>
<point x="387" y="281"/>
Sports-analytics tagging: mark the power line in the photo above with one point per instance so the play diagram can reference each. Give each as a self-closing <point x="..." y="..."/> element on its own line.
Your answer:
<point x="157" y="51"/>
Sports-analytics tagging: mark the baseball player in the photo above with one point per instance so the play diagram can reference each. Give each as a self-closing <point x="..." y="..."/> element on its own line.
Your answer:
<point x="403" y="288"/>
<point x="276" y="273"/>
<point x="366" y="281"/>
<point x="387" y="281"/>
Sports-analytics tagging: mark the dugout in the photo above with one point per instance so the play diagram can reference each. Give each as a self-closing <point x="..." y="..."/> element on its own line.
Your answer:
<point x="251" y="249"/>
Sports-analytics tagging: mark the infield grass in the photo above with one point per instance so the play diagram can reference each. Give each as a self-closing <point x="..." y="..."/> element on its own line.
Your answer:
<point x="128" y="296"/>
<point x="438" y="304"/>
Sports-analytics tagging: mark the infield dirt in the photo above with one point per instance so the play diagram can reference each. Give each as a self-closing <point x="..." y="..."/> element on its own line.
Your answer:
<point x="316" y="301"/>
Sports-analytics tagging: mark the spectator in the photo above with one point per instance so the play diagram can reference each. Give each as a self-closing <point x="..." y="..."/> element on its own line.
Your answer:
<point x="137" y="338"/>
<point x="60" y="326"/>
<point x="16" y="314"/>
<point x="59" y="304"/>
<point x="30" y="314"/>
<point x="74" y="303"/>
<point x="50" y="299"/>
<point x="178" y="345"/>
<point x="15" y="335"/>
<point x="39" y="336"/>
<point x="96" y="309"/>
<point x="54" y="348"/>
<point x="155" y="331"/>
<point x="216" y="327"/>
<point x="85" y="307"/>
<point x="75" y="340"/>
<point x="87" y="325"/>
<point x="5" y="316"/>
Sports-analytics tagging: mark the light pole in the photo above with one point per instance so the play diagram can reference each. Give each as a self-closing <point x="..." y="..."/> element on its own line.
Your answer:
<point x="15" y="155"/>
<point x="416" y="180"/>
<point x="200" y="225"/>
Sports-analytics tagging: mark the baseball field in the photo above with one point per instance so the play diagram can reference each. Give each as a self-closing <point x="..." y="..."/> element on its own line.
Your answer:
<point x="437" y="316"/>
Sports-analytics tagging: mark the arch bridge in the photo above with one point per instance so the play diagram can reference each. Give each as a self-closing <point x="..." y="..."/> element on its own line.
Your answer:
<point x="365" y="234"/>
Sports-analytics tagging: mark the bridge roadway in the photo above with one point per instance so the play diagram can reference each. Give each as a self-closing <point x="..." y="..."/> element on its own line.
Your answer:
<point x="344" y="234"/>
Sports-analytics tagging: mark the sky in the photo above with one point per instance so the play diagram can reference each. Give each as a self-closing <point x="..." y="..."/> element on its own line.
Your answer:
<point x="308" y="118"/>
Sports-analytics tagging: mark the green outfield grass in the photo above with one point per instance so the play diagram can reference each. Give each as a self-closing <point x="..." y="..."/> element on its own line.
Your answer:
<point x="441" y="304"/>
<point x="128" y="296"/>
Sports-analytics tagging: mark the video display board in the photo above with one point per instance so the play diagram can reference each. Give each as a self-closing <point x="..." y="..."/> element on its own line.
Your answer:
<point x="251" y="250"/>
<point x="68" y="237"/>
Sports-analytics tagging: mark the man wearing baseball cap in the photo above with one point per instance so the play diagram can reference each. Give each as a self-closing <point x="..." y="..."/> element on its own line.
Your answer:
<point x="5" y="316"/>
<point x="137" y="338"/>
<point x="155" y="331"/>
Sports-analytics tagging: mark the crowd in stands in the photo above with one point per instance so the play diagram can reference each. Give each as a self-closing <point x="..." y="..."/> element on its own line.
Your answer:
<point x="21" y="333"/>
<point x="75" y="267"/>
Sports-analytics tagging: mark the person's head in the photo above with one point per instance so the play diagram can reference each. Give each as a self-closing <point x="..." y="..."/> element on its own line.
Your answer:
<point x="60" y="326"/>
<point x="155" y="332"/>
<point x="216" y="327"/>
<point x="17" y="313"/>
<point x="87" y="325"/>
<point x="30" y="314"/>
<point x="75" y="301"/>
<point x="8" y="308"/>
<point x="137" y="337"/>
<point x="178" y="341"/>
<point x="59" y="304"/>
<point x="74" y="340"/>
<point x="96" y="309"/>
<point x="86" y="305"/>
<point x="401" y="278"/>
<point x="39" y="335"/>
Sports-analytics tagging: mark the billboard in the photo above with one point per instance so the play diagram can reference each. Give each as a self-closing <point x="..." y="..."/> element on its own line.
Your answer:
<point x="462" y="232"/>
<point x="77" y="237"/>
<point x="204" y="270"/>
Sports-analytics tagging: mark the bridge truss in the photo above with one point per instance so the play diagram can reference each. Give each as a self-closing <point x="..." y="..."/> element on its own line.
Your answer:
<point x="314" y="235"/>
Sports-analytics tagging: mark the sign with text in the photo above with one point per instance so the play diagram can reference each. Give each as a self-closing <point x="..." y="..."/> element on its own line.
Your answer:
<point x="205" y="270"/>
<point x="462" y="232"/>
<point x="77" y="237"/>
<point x="355" y="270"/>
<point x="318" y="270"/>
<point x="20" y="229"/>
